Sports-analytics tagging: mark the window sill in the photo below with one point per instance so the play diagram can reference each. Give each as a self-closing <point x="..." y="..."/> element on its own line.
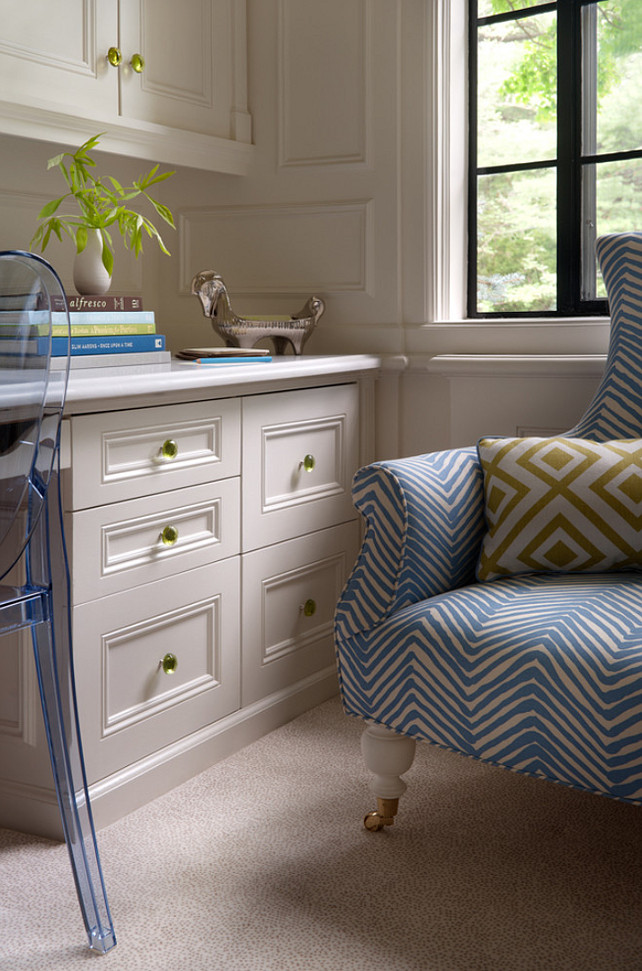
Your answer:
<point x="535" y="335"/>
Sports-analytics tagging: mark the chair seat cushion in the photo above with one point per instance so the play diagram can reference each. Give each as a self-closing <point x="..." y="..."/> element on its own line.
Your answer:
<point x="539" y="673"/>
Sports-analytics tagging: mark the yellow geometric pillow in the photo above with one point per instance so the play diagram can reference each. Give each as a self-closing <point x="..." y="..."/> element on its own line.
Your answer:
<point x="560" y="504"/>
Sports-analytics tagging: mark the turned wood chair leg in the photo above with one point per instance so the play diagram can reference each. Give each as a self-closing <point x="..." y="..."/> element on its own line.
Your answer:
<point x="387" y="755"/>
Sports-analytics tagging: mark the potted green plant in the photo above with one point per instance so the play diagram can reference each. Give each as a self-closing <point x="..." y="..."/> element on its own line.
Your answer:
<point x="103" y="204"/>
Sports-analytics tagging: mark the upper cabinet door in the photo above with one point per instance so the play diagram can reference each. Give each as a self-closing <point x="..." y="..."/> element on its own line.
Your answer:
<point x="175" y="93"/>
<point x="53" y="55"/>
<point x="188" y="52"/>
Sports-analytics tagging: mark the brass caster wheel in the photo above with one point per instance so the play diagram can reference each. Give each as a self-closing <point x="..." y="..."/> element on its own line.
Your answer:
<point x="383" y="815"/>
<point x="373" y="822"/>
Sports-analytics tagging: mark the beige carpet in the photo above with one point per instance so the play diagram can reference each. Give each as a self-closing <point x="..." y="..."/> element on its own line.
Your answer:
<point x="262" y="863"/>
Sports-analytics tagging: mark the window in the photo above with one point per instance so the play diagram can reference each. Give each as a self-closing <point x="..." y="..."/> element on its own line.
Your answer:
<point x="555" y="150"/>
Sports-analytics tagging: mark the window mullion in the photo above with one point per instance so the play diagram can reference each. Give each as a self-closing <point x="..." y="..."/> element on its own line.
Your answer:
<point x="472" y="159"/>
<point x="588" y="216"/>
<point x="569" y="208"/>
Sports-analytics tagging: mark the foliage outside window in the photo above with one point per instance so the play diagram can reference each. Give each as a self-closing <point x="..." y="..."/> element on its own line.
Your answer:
<point x="555" y="149"/>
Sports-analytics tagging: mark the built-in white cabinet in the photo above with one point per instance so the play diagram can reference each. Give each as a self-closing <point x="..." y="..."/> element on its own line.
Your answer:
<point x="164" y="80"/>
<point x="208" y="543"/>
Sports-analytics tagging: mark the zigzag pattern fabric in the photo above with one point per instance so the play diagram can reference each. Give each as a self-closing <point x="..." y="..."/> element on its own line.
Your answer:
<point x="616" y="409"/>
<point x="425" y="521"/>
<point x="565" y="504"/>
<point x="540" y="673"/>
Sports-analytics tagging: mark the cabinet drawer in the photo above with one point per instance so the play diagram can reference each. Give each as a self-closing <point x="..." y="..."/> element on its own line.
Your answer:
<point x="126" y="454"/>
<point x="294" y="588"/>
<point x="125" y="544"/>
<point x="131" y="707"/>
<point x="300" y="451"/>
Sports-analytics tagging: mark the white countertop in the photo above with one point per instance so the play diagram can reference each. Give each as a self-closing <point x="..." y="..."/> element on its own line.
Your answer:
<point x="95" y="389"/>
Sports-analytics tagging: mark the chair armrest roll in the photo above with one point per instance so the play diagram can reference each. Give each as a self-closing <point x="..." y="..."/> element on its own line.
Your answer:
<point x="424" y="523"/>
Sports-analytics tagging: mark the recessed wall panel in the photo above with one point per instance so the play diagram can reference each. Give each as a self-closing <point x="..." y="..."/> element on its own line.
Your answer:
<point x="280" y="248"/>
<point x="323" y="81"/>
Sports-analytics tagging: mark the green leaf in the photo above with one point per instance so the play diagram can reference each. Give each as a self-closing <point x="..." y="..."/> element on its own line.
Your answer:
<point x="81" y="238"/>
<point x="163" y="212"/>
<point x="55" y="161"/>
<point x="160" y="178"/>
<point x="50" y="208"/>
<point x="108" y="258"/>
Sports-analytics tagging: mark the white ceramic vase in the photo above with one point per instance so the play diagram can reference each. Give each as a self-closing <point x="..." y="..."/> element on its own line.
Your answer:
<point x="90" y="275"/>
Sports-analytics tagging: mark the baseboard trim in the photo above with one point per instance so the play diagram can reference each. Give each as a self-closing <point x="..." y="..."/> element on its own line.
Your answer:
<point x="126" y="790"/>
<point x="34" y="809"/>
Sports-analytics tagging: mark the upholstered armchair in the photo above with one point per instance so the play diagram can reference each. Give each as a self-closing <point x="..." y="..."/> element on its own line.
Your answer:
<point x="496" y="605"/>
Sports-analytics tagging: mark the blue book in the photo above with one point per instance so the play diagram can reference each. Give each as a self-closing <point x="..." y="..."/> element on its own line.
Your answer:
<point x="109" y="344"/>
<point x="221" y="361"/>
<point x="38" y="318"/>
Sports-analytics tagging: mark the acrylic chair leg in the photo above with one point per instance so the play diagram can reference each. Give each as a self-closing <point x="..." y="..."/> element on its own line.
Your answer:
<point x="63" y="737"/>
<point x="387" y="755"/>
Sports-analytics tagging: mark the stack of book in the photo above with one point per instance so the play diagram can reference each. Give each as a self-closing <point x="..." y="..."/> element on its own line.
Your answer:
<point x="105" y="330"/>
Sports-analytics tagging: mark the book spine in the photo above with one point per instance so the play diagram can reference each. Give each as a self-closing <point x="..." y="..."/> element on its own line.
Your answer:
<point x="76" y="330"/>
<point x="38" y="318"/>
<point x="105" y="302"/>
<point x="146" y="359"/>
<point x="222" y="361"/>
<point x="103" y="330"/>
<point x="103" y="345"/>
<point x="96" y="317"/>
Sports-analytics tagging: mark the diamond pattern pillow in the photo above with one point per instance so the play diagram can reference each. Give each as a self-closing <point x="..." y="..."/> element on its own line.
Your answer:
<point x="560" y="504"/>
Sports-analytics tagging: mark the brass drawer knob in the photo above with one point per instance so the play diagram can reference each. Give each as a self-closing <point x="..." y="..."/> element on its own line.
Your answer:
<point x="138" y="63"/>
<point x="169" y="449"/>
<point x="114" y="56"/>
<point x="169" y="663"/>
<point x="309" y="608"/>
<point x="169" y="535"/>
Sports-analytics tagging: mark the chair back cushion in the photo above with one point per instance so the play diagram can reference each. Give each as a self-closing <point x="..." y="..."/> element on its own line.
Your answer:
<point x="560" y="504"/>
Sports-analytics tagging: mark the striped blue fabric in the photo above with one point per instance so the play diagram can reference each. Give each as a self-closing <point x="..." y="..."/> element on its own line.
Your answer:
<point x="616" y="409"/>
<point x="541" y="674"/>
<point x="425" y="520"/>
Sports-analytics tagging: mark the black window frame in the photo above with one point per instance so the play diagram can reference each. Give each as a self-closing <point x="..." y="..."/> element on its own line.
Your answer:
<point x="569" y="164"/>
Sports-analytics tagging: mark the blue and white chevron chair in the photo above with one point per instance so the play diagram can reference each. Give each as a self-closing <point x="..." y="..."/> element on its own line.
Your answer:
<point x="496" y="605"/>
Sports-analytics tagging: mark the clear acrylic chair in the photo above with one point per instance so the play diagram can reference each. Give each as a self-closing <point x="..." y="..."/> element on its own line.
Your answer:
<point x="33" y="563"/>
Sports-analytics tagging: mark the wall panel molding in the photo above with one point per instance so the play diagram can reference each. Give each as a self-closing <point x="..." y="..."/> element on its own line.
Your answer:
<point x="324" y="85"/>
<point x="289" y="248"/>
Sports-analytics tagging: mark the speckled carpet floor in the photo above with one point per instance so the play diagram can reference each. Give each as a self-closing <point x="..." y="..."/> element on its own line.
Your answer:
<point x="261" y="864"/>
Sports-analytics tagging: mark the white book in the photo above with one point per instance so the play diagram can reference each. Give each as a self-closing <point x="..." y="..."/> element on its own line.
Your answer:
<point x="151" y="358"/>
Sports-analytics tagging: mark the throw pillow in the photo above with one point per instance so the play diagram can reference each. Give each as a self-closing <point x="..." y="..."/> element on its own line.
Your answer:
<point x="560" y="504"/>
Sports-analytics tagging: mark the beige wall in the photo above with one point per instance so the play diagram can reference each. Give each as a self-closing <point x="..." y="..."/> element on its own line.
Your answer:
<point x="355" y="108"/>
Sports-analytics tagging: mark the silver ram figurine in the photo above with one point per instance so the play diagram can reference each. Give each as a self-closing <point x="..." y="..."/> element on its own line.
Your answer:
<point x="248" y="331"/>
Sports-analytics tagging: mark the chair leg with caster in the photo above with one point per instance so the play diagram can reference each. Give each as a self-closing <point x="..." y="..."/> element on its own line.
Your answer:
<point x="387" y="755"/>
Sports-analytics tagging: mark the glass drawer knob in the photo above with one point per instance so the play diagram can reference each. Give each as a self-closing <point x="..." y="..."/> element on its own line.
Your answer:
<point x="114" y="56"/>
<point x="169" y="663"/>
<point x="138" y="63"/>
<point x="169" y="449"/>
<point x="169" y="535"/>
<point x="309" y="608"/>
<point x="308" y="463"/>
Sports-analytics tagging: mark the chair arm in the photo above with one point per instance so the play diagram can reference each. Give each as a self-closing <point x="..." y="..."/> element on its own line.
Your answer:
<point x="424" y="523"/>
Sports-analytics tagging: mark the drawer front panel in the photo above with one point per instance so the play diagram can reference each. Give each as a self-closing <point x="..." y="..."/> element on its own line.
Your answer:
<point x="294" y="587"/>
<point x="299" y="456"/>
<point x="126" y="544"/>
<point x="131" y="706"/>
<point x="123" y="455"/>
